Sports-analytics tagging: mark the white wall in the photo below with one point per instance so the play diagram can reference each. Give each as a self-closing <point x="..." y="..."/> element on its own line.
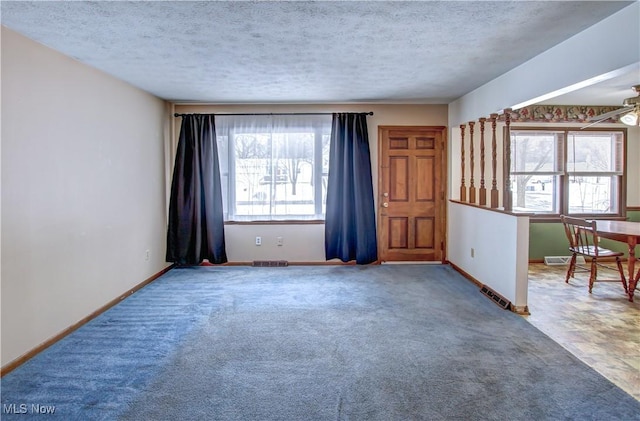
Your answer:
<point x="305" y="242"/>
<point x="82" y="191"/>
<point x="500" y="244"/>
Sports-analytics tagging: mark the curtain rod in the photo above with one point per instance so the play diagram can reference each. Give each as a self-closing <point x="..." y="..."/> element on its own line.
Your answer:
<point x="240" y="114"/>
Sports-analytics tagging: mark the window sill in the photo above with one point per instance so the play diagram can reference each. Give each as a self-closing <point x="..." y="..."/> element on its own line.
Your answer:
<point x="556" y="218"/>
<point x="278" y="222"/>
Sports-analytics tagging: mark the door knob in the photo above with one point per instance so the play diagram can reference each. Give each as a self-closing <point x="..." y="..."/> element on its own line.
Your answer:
<point x="385" y="205"/>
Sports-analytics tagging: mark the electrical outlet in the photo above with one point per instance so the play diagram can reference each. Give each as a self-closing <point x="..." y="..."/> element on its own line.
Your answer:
<point x="473" y="252"/>
<point x="279" y="241"/>
<point x="258" y="241"/>
<point x="147" y="255"/>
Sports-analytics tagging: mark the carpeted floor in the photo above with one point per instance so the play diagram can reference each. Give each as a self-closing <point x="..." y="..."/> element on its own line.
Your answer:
<point x="393" y="342"/>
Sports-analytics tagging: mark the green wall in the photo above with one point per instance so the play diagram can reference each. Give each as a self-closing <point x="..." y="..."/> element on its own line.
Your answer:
<point x="548" y="239"/>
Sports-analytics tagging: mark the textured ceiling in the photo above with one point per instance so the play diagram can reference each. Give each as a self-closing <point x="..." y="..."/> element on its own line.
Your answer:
<point x="253" y="52"/>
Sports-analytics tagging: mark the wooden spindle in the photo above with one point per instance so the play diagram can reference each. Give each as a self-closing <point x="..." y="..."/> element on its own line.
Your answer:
<point x="463" y="189"/>
<point x="494" y="165"/>
<point x="506" y="197"/>
<point x="483" y="189"/>
<point x="472" y="187"/>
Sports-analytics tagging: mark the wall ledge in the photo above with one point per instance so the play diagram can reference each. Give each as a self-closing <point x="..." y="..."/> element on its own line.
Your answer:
<point x="498" y="210"/>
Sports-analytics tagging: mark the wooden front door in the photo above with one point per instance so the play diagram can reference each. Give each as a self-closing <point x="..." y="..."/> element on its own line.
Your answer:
<point x="411" y="189"/>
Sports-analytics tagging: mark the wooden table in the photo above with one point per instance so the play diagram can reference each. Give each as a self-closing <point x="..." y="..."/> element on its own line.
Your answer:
<point x="626" y="232"/>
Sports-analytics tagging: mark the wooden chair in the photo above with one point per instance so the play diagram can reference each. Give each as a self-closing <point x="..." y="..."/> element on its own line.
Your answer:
<point x="583" y="241"/>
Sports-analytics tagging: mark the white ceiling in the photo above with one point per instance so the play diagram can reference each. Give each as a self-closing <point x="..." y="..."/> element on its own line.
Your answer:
<point x="307" y="51"/>
<point x="609" y="92"/>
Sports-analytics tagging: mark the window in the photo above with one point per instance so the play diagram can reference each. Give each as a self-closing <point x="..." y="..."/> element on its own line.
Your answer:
<point x="563" y="171"/>
<point x="273" y="167"/>
<point x="536" y="165"/>
<point x="594" y="168"/>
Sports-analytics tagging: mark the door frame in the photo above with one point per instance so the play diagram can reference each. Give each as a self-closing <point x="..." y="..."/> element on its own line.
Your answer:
<point x="442" y="191"/>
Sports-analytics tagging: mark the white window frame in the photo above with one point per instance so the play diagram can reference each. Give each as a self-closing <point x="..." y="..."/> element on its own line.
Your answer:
<point x="615" y="173"/>
<point x="556" y="170"/>
<point x="321" y="130"/>
<point x="564" y="174"/>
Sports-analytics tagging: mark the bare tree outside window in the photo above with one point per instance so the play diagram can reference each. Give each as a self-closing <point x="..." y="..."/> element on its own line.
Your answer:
<point x="534" y="169"/>
<point x="252" y="156"/>
<point x="532" y="155"/>
<point x="294" y="150"/>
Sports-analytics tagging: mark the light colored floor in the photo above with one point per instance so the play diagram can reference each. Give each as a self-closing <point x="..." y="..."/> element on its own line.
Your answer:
<point x="602" y="328"/>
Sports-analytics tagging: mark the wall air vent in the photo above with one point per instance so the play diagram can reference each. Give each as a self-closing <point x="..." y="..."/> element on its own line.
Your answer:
<point x="561" y="260"/>
<point x="495" y="297"/>
<point x="270" y="263"/>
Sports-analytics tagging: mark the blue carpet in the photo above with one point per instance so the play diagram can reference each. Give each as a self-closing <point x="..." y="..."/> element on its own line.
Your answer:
<point x="94" y="372"/>
<point x="345" y="342"/>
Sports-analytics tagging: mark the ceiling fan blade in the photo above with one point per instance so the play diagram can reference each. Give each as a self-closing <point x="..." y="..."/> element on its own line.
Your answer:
<point x="592" y="124"/>
<point x="598" y="118"/>
<point x="610" y="114"/>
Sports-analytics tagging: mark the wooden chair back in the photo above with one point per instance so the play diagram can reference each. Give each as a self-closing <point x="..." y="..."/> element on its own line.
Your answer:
<point x="582" y="235"/>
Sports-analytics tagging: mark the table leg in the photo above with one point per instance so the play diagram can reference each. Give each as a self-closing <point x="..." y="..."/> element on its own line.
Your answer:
<point x="633" y="278"/>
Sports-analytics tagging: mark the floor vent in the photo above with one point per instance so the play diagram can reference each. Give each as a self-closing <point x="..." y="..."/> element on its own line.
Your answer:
<point x="270" y="263"/>
<point x="495" y="297"/>
<point x="561" y="260"/>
